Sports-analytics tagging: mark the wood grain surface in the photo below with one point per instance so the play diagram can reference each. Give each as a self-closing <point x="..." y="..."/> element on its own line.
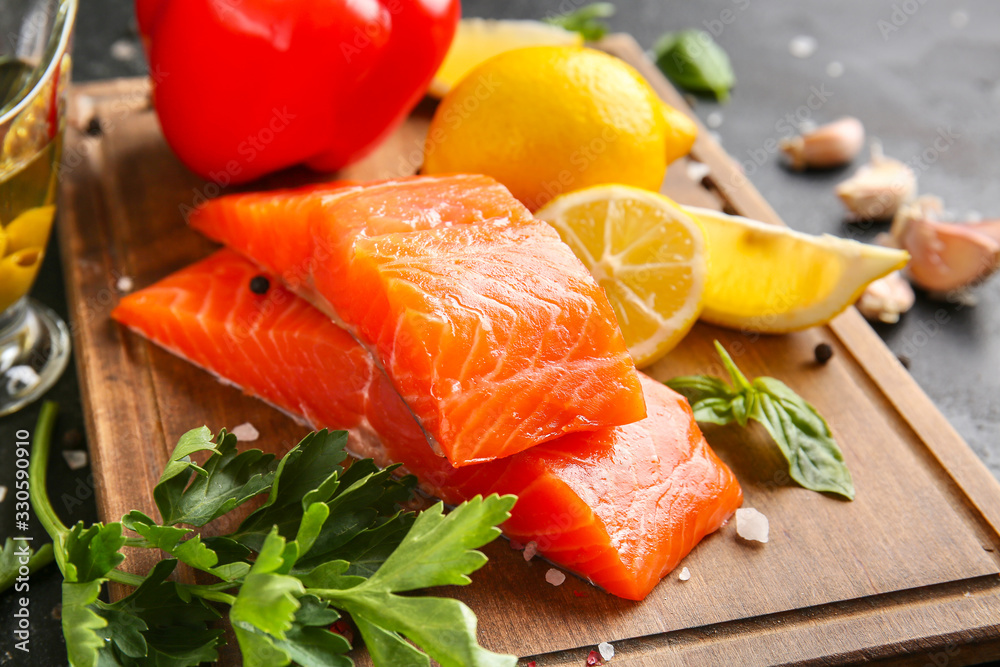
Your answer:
<point x="905" y="572"/>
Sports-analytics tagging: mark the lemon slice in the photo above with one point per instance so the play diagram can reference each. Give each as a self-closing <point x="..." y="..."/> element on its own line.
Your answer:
<point x="649" y="257"/>
<point x="772" y="279"/>
<point x="477" y="40"/>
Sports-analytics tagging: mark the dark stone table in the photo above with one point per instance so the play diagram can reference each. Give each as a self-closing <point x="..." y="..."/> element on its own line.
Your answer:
<point x="910" y="69"/>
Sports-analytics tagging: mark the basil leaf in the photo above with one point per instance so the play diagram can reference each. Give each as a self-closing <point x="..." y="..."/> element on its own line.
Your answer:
<point x="814" y="459"/>
<point x="698" y="387"/>
<point x="586" y="20"/>
<point x="695" y="63"/>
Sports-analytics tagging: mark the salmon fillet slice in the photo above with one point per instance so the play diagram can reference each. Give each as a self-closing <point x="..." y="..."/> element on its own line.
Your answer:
<point x="620" y="506"/>
<point x="486" y="324"/>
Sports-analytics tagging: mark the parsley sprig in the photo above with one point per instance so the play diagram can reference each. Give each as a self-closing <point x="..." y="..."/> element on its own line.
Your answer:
<point x="326" y="540"/>
<point x="803" y="436"/>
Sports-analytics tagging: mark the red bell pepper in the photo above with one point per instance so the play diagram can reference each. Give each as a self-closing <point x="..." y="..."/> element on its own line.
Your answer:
<point x="246" y="87"/>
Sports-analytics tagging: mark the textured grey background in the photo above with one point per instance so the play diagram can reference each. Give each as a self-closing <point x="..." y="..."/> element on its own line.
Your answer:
<point x="911" y="68"/>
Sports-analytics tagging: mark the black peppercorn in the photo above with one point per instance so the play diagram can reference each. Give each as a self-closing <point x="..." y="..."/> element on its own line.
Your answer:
<point x="94" y="128"/>
<point x="823" y="353"/>
<point x="260" y="284"/>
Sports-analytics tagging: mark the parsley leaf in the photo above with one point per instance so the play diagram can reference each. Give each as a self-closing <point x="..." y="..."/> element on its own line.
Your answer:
<point x="157" y="626"/>
<point x="586" y="20"/>
<point x="90" y="553"/>
<point x="437" y="551"/>
<point x="227" y="480"/>
<point x="192" y="551"/>
<point x="11" y="559"/>
<point x="325" y="539"/>
<point x="82" y="626"/>
<point x="803" y="436"/>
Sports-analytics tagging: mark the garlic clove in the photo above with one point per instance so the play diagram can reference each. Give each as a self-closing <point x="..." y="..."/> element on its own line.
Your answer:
<point x="887" y="298"/>
<point x="832" y="145"/>
<point x="878" y="189"/>
<point x="946" y="257"/>
<point x="990" y="228"/>
<point x="927" y="207"/>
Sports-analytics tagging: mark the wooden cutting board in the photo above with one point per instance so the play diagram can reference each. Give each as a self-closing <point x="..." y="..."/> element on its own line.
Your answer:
<point x="907" y="572"/>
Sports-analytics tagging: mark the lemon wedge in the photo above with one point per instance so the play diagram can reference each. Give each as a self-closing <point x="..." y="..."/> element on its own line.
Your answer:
<point x="30" y="229"/>
<point x="476" y="40"/>
<point x="772" y="279"/>
<point x="647" y="254"/>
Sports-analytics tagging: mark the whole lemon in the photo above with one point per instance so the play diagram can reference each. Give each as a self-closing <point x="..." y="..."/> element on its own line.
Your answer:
<point x="551" y="119"/>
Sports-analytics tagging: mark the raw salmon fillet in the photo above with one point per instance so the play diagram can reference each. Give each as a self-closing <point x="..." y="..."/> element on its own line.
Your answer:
<point x="489" y="328"/>
<point x="620" y="506"/>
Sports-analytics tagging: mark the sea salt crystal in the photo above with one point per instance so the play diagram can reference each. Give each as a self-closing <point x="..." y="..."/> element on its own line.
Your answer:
<point x="959" y="18"/>
<point x="124" y="284"/>
<point x="3" y="493"/>
<point x="684" y="575"/>
<point x="124" y="50"/>
<point x="606" y="650"/>
<point x="75" y="458"/>
<point x="751" y="524"/>
<point x="714" y="119"/>
<point x="555" y="577"/>
<point x="530" y="549"/>
<point x="802" y="46"/>
<point x="834" y="69"/>
<point x="245" y="432"/>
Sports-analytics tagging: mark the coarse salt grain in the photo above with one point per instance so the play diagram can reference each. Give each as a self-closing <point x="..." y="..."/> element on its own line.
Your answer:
<point x="684" y="575"/>
<point x="124" y="284"/>
<point x="834" y="69"/>
<point x="606" y="650"/>
<point x="124" y="50"/>
<point x="751" y="524"/>
<point x="959" y="18"/>
<point x="3" y="493"/>
<point x="75" y="458"/>
<point x="714" y="119"/>
<point x="555" y="577"/>
<point x="530" y="549"/>
<point x="802" y="46"/>
<point x="245" y="432"/>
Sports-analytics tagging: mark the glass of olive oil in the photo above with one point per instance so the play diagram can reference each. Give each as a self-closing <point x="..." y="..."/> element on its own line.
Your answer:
<point x="34" y="77"/>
